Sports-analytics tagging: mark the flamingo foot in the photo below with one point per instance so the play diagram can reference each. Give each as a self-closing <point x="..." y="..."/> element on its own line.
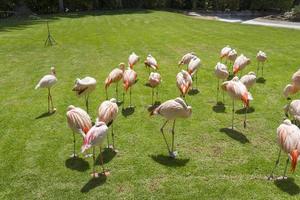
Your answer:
<point x="95" y="175"/>
<point x="88" y="155"/>
<point x="270" y="178"/>
<point x="73" y="155"/>
<point x="282" y="178"/>
<point x="106" y="173"/>
<point x="173" y="154"/>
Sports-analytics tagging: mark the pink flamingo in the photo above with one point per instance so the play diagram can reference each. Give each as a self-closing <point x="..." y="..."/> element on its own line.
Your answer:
<point x="129" y="79"/>
<point x="114" y="77"/>
<point x="186" y="59"/>
<point x="249" y="80"/>
<point x="171" y="110"/>
<point x="193" y="67"/>
<point x="232" y="55"/>
<point x="224" y="52"/>
<point x="95" y="137"/>
<point x="261" y="57"/>
<point x="79" y="122"/>
<point x="47" y="82"/>
<point x="288" y="139"/>
<point x="294" y="87"/>
<point x="240" y="63"/>
<point x="151" y="63"/>
<point x="237" y="91"/>
<point x="132" y="60"/>
<point x="154" y="81"/>
<point x="184" y="82"/>
<point x="222" y="73"/>
<point x="293" y="109"/>
<point x="107" y="113"/>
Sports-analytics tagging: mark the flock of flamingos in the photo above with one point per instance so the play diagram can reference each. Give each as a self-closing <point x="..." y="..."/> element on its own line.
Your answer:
<point x="93" y="134"/>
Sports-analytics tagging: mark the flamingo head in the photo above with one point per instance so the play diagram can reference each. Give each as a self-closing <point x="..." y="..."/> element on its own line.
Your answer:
<point x="53" y="72"/>
<point x="122" y="66"/>
<point x="70" y="107"/>
<point x="113" y="100"/>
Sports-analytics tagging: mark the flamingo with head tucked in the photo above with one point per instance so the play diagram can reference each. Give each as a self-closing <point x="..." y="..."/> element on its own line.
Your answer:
<point x="107" y="113"/>
<point x="288" y="139"/>
<point x="79" y="122"/>
<point x="184" y="82"/>
<point x="240" y="63"/>
<point x="237" y="91"/>
<point x="221" y="73"/>
<point x="193" y="67"/>
<point x="154" y="81"/>
<point x="132" y="60"/>
<point x="114" y="77"/>
<point x="186" y="59"/>
<point x="94" y="138"/>
<point x="172" y="110"/>
<point x="249" y="80"/>
<point x="129" y="79"/>
<point x="224" y="52"/>
<point x="47" y="82"/>
<point x="151" y="63"/>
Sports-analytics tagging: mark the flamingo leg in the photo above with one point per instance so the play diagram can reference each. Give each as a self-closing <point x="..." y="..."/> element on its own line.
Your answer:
<point x="276" y="164"/>
<point x="113" y="137"/>
<point x="218" y="89"/>
<point x="48" y="100"/>
<point x="162" y="131"/>
<point x="123" y="98"/>
<point x="173" y="154"/>
<point x="94" y="173"/>
<point x="101" y="160"/>
<point x="152" y="94"/>
<point x="286" y="164"/>
<point x="257" y="69"/>
<point x="262" y="69"/>
<point x="117" y="90"/>
<point x="197" y="79"/>
<point x="130" y="97"/>
<point x="74" y="141"/>
<point x="232" y="114"/>
<point x="223" y="95"/>
<point x="87" y="103"/>
<point x="157" y="92"/>
<point x="245" y="119"/>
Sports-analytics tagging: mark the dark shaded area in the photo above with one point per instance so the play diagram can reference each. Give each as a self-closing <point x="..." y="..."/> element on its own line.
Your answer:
<point x="45" y="114"/>
<point x="288" y="185"/>
<point x="193" y="92"/>
<point x="119" y="103"/>
<point x="219" y="108"/>
<point x="243" y="110"/>
<point x="93" y="183"/>
<point x="108" y="154"/>
<point x="152" y="107"/>
<point x="128" y="111"/>
<point x="261" y="80"/>
<point x="236" y="135"/>
<point x="168" y="161"/>
<point x="147" y="85"/>
<point x="77" y="164"/>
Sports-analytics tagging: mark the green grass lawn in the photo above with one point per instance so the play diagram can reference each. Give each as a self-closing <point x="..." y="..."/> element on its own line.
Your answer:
<point x="212" y="163"/>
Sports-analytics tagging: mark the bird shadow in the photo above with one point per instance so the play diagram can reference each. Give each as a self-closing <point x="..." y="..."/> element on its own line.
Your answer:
<point x="77" y="163"/>
<point x="128" y="111"/>
<point x="108" y="154"/>
<point x="45" y="114"/>
<point x="288" y="185"/>
<point x="261" y="80"/>
<point x="147" y="85"/>
<point x="152" y="107"/>
<point x="243" y="110"/>
<point x="193" y="92"/>
<point x="219" y="107"/>
<point x="230" y="77"/>
<point x="119" y="103"/>
<point x="93" y="183"/>
<point x="137" y="80"/>
<point x="168" y="161"/>
<point x="236" y="135"/>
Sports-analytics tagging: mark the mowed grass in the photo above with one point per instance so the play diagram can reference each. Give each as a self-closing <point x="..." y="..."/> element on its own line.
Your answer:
<point x="212" y="163"/>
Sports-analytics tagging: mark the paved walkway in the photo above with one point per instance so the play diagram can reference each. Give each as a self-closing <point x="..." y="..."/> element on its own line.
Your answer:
<point x="255" y="21"/>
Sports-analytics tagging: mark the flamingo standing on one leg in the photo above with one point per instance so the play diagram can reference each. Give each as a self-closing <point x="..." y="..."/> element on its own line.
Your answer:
<point x="107" y="113"/>
<point x="240" y="63"/>
<point x="186" y="59"/>
<point x="249" y="80"/>
<point x="261" y="57"/>
<point x="154" y="81"/>
<point x="193" y="67"/>
<point x="47" y="82"/>
<point x="79" y="121"/>
<point x="84" y="87"/>
<point x="114" y="77"/>
<point x="94" y="138"/>
<point x="151" y="63"/>
<point x="224" y="52"/>
<point x="129" y="79"/>
<point x="171" y="110"/>
<point x="221" y="73"/>
<point x="132" y="60"/>
<point x="184" y="82"/>
<point x="237" y="91"/>
<point x="288" y="139"/>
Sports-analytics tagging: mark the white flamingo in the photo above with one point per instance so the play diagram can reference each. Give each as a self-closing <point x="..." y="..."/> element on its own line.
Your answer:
<point x="193" y="67"/>
<point x="47" y="82"/>
<point x="261" y="58"/>
<point x="186" y="59"/>
<point x="221" y="73"/>
<point x="132" y="60"/>
<point x="154" y="81"/>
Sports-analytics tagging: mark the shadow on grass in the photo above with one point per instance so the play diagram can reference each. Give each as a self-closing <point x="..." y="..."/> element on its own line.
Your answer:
<point x="77" y="164"/>
<point x="193" y="92"/>
<point x="108" y="154"/>
<point x="45" y="114"/>
<point x="219" y="108"/>
<point x="147" y="85"/>
<point x="152" y="107"/>
<point x="93" y="183"/>
<point x="128" y="111"/>
<point x="243" y="110"/>
<point x="170" y="162"/>
<point x="236" y="135"/>
<point x="261" y="80"/>
<point x="288" y="185"/>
